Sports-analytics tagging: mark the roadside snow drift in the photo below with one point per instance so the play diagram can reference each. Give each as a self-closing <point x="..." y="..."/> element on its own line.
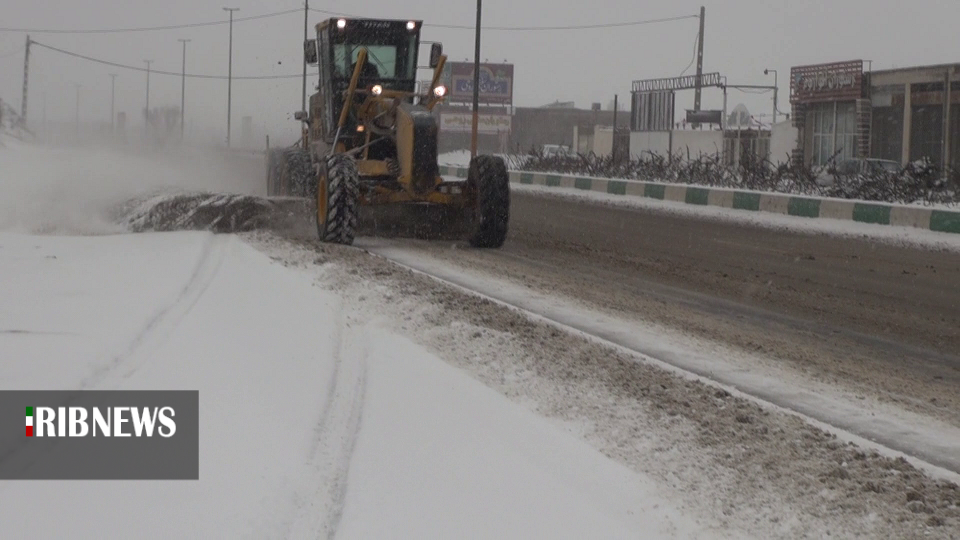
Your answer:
<point x="313" y="423"/>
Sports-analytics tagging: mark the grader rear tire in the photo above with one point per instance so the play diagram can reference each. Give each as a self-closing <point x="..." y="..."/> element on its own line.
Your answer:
<point x="337" y="191"/>
<point x="489" y="187"/>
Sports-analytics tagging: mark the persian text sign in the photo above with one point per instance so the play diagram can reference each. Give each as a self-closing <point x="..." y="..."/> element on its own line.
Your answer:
<point x="99" y="435"/>
<point x="496" y="83"/>
<point x="826" y="82"/>
<point x="486" y="123"/>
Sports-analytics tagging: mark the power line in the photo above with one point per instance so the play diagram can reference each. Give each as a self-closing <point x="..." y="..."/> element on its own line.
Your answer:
<point x="154" y="71"/>
<point x="147" y="28"/>
<point x="533" y="28"/>
<point x="696" y="41"/>
<point x="337" y="13"/>
<point x="746" y="91"/>
<point x="574" y="27"/>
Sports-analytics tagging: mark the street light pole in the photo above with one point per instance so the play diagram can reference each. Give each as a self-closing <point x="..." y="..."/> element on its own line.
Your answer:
<point x="183" y="83"/>
<point x="476" y="87"/>
<point x="776" y="88"/>
<point x="230" y="74"/>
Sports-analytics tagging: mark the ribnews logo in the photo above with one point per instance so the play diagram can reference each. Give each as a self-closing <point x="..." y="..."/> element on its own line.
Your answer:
<point x="109" y="422"/>
<point x="88" y="435"/>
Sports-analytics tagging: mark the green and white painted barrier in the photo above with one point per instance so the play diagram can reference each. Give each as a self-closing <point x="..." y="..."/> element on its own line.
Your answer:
<point x="933" y="219"/>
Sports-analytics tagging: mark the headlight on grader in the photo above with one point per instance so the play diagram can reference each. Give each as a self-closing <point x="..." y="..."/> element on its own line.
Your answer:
<point x="376" y="90"/>
<point x="411" y="25"/>
<point x="341" y="23"/>
<point x="440" y="91"/>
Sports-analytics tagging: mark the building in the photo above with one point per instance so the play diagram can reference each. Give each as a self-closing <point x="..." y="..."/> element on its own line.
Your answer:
<point x="842" y="112"/>
<point x="910" y="118"/>
<point x="534" y="127"/>
<point x="735" y="139"/>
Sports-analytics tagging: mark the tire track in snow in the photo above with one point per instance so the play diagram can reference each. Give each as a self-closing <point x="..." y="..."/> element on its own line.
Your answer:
<point x="320" y="501"/>
<point x="162" y="324"/>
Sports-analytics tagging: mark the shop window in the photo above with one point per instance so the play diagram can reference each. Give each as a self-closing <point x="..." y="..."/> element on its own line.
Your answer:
<point x="834" y="132"/>
<point x="846" y="138"/>
<point x="888" y="133"/>
<point x="926" y="133"/>
<point x="823" y="129"/>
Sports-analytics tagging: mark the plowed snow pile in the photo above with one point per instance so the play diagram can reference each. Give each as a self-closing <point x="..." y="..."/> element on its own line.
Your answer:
<point x="220" y="213"/>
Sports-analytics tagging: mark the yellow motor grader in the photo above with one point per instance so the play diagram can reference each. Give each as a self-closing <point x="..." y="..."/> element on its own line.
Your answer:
<point x="370" y="138"/>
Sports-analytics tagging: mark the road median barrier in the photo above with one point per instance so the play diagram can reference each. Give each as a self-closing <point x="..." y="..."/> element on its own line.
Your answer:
<point x="876" y="213"/>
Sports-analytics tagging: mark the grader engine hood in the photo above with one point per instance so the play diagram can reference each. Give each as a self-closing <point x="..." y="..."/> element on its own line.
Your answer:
<point x="417" y="146"/>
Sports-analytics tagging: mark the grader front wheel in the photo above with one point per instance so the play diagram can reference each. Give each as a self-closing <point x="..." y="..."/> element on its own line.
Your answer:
<point x="338" y="188"/>
<point x="488" y="184"/>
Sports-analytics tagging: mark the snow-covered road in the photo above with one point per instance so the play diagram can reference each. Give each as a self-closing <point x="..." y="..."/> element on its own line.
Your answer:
<point x="314" y="421"/>
<point x="342" y="395"/>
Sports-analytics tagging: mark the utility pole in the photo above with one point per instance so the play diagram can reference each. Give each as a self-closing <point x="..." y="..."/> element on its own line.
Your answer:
<point x="147" y="112"/>
<point x="303" y="97"/>
<point x="776" y="87"/>
<point x="113" y="95"/>
<point x="230" y="74"/>
<point x="947" y="162"/>
<point x="183" y="84"/>
<point x="696" y="98"/>
<point x="476" y="87"/>
<point x="26" y="80"/>
<point x="306" y="36"/>
<point x="613" y="143"/>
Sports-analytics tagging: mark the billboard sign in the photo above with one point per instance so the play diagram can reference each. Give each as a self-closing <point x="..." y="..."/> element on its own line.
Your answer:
<point x="704" y="117"/>
<point x="826" y="82"/>
<point x="496" y="83"/>
<point x="488" y="124"/>
<point x="653" y="111"/>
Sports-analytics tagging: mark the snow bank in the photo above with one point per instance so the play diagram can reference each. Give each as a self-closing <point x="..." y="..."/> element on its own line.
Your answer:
<point x="457" y="158"/>
<point x="461" y="158"/>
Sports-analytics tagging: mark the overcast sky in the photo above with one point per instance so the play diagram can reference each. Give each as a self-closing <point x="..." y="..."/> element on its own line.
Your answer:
<point x="742" y="38"/>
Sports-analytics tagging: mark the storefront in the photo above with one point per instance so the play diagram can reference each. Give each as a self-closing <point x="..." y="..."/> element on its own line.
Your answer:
<point x="831" y="112"/>
<point x="901" y="115"/>
<point x="911" y="120"/>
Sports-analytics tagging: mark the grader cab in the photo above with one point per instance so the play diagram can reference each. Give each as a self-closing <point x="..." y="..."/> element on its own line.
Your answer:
<point x="370" y="136"/>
